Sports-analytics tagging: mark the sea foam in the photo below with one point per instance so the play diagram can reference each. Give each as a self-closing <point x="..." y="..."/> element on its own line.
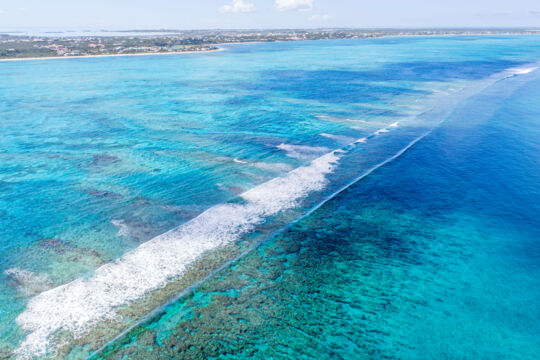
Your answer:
<point x="76" y="306"/>
<point x="522" y="70"/>
<point x="338" y="138"/>
<point x="302" y="152"/>
<point x="381" y="131"/>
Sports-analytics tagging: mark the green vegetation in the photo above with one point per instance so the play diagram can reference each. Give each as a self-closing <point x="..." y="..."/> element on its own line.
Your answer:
<point x="12" y="46"/>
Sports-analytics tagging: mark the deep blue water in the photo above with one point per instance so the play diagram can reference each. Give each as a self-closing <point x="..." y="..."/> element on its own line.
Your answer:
<point x="433" y="255"/>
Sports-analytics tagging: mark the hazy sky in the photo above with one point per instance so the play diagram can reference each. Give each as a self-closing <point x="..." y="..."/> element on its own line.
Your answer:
<point x="190" y="14"/>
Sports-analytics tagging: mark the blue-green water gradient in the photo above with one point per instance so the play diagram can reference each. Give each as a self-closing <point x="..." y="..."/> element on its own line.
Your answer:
<point x="99" y="156"/>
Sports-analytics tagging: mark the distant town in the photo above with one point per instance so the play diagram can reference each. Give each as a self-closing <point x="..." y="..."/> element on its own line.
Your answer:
<point x="13" y="46"/>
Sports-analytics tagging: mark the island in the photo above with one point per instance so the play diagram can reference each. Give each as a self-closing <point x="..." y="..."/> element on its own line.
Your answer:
<point x="21" y="46"/>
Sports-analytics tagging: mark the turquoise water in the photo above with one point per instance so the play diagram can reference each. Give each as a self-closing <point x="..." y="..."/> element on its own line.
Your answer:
<point x="432" y="255"/>
<point x="435" y="256"/>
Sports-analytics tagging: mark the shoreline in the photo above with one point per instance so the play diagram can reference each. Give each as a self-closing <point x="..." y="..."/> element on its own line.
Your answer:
<point x="195" y="60"/>
<point x="260" y="42"/>
<point x="111" y="55"/>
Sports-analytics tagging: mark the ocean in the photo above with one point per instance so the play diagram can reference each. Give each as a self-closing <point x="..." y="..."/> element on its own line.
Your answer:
<point x="371" y="198"/>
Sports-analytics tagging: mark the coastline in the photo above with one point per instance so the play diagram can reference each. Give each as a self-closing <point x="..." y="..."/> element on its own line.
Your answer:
<point x="377" y="37"/>
<point x="162" y="68"/>
<point x="111" y="55"/>
<point x="261" y="41"/>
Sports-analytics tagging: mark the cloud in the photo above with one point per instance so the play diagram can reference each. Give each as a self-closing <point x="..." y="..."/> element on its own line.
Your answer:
<point x="2" y="11"/>
<point x="319" y="17"/>
<point x="238" y="6"/>
<point x="301" y="5"/>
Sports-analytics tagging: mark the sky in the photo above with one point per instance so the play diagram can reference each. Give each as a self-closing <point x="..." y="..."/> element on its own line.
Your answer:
<point x="251" y="14"/>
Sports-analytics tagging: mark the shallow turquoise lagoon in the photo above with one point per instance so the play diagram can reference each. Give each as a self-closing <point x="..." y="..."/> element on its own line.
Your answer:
<point x="433" y="255"/>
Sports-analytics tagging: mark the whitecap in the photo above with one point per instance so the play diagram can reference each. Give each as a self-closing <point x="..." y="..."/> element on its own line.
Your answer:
<point x="302" y="152"/>
<point x="381" y="131"/>
<point x="522" y="70"/>
<point x="76" y="306"/>
<point x="361" y="140"/>
<point x="339" y="138"/>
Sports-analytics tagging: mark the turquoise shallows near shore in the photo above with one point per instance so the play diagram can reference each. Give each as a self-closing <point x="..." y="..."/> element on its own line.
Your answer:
<point x="426" y="256"/>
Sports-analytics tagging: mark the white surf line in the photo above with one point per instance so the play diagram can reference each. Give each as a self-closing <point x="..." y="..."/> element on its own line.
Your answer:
<point x="76" y="306"/>
<point x="519" y="70"/>
<point x="279" y="231"/>
<point x="195" y="285"/>
<point x="522" y="70"/>
<point x="379" y="132"/>
<point x="37" y="341"/>
<point x="307" y="214"/>
<point x="361" y="141"/>
<point x="83" y="302"/>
